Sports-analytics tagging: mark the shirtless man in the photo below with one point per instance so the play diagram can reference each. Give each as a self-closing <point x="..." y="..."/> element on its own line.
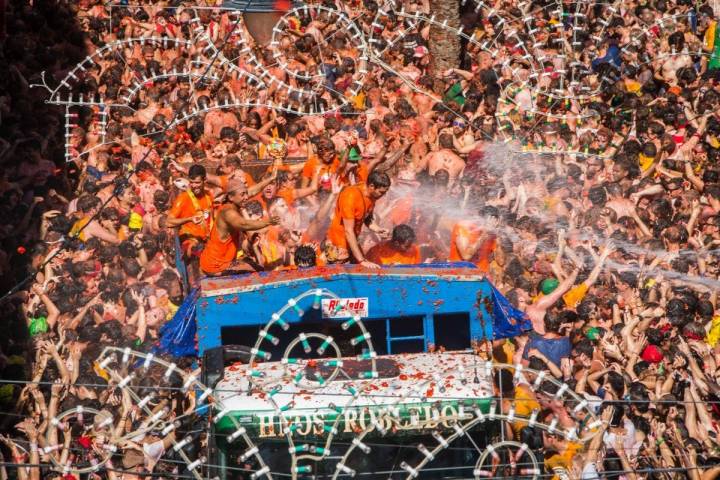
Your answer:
<point x="444" y="159"/>
<point x="88" y="226"/>
<point x="220" y="252"/>
<point x="215" y="120"/>
<point x="536" y="311"/>
<point x="378" y="108"/>
<point x="315" y="123"/>
<point x="424" y="101"/>
<point x="463" y="138"/>
<point x="550" y="139"/>
<point x="677" y="58"/>
<point x="146" y="114"/>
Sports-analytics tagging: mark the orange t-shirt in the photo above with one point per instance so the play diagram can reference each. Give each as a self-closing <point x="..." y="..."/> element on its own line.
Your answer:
<point x="352" y="204"/>
<point x="472" y="233"/>
<point x="218" y="254"/>
<point x="184" y="207"/>
<point x="385" y="253"/>
<point x="313" y="163"/>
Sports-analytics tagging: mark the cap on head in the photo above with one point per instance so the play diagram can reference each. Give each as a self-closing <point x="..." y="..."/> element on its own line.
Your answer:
<point x="593" y="333"/>
<point x="548" y="285"/>
<point x="353" y="155"/>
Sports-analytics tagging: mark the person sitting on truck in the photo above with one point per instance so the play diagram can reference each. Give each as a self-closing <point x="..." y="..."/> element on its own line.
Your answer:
<point x="220" y="253"/>
<point x="354" y="208"/>
<point x="474" y="240"/>
<point x="193" y="212"/>
<point x="399" y="250"/>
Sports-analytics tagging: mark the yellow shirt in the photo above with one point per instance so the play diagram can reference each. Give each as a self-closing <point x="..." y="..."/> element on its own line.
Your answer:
<point x="714" y="334"/>
<point x="525" y="403"/>
<point x="508" y="349"/>
<point x="633" y="86"/>
<point x="645" y="162"/>
<point x="575" y="295"/>
<point x="171" y="310"/>
<point x="564" y="459"/>
<point x="709" y="38"/>
<point x="78" y="227"/>
<point x="571" y="298"/>
<point x="358" y="101"/>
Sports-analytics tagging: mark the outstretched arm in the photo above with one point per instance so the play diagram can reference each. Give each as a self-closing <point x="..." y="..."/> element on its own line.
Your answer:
<point x="258" y="187"/>
<point x="382" y="164"/>
<point x="549" y="300"/>
<point x="595" y="273"/>
<point x="303" y="192"/>
<point x="53" y="311"/>
<point x="352" y="241"/>
<point x="238" y="222"/>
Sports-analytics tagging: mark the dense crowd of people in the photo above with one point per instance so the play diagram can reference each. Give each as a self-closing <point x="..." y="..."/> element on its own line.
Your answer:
<point x="571" y="156"/>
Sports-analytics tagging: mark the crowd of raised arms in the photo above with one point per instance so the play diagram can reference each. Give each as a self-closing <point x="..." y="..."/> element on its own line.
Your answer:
<point x="582" y="179"/>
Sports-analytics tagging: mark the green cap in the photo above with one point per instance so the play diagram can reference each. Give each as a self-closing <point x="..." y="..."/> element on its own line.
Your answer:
<point x="353" y="155"/>
<point x="593" y="333"/>
<point x="548" y="285"/>
<point x="38" y="325"/>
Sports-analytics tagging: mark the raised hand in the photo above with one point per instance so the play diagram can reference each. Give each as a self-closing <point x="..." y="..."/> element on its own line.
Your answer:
<point x="57" y="388"/>
<point x="607" y="249"/>
<point x="335" y="185"/>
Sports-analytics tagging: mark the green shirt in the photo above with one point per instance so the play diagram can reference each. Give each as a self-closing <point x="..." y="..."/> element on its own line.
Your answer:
<point x="714" y="62"/>
<point x="455" y="94"/>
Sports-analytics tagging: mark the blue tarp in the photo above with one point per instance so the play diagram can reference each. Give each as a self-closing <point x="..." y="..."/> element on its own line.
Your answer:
<point x="177" y="337"/>
<point x="508" y="321"/>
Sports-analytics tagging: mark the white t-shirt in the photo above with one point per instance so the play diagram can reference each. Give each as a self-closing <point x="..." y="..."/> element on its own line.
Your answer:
<point x="154" y="451"/>
<point x="628" y="439"/>
<point x="589" y="472"/>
